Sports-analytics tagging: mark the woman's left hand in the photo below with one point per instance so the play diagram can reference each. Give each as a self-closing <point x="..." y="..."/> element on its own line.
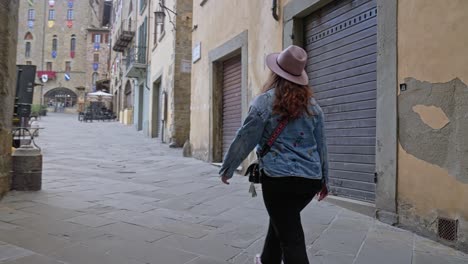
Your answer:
<point x="225" y="179"/>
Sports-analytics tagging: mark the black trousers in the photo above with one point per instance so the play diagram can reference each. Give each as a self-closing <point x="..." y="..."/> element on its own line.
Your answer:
<point x="284" y="198"/>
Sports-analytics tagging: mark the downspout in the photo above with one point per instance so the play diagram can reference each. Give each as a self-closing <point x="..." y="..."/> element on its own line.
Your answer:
<point x="274" y="10"/>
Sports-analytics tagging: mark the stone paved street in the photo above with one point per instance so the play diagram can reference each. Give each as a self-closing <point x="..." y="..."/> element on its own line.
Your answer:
<point x="112" y="196"/>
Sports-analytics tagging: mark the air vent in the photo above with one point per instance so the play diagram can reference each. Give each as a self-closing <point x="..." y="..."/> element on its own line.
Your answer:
<point x="447" y="229"/>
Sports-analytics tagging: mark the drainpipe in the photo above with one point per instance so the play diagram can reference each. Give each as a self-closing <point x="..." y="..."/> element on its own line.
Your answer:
<point x="274" y="10"/>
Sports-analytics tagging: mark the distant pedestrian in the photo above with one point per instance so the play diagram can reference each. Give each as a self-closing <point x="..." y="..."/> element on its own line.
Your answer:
<point x="295" y="168"/>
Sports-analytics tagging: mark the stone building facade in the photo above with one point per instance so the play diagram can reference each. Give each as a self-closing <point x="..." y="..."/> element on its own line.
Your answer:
<point x="8" y="31"/>
<point x="53" y="35"/>
<point x="391" y="78"/>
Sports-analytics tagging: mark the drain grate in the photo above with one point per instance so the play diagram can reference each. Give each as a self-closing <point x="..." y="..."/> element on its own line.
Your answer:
<point x="447" y="228"/>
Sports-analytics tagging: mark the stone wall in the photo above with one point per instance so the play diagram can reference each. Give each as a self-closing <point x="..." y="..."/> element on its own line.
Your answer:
<point x="433" y="149"/>
<point x="85" y="16"/>
<point x="182" y="82"/>
<point x="8" y="42"/>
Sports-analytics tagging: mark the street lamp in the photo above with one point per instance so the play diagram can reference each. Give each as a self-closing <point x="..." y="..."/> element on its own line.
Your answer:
<point x="160" y="14"/>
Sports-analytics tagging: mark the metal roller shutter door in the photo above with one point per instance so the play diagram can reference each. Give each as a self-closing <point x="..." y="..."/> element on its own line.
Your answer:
<point x="232" y="111"/>
<point x="341" y="41"/>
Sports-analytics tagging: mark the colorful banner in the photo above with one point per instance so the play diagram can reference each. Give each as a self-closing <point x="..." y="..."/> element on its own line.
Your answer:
<point x="72" y="54"/>
<point x="51" y="23"/>
<point x="54" y="54"/>
<point x="31" y="2"/>
<point x="95" y="66"/>
<point x="97" y="46"/>
<point x="70" y="4"/>
<point x="69" y="24"/>
<point x="67" y="77"/>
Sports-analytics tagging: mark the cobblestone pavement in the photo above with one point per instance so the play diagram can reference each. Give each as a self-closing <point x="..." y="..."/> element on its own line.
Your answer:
<point x="112" y="196"/>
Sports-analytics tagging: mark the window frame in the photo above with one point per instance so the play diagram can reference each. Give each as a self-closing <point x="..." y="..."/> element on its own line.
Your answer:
<point x="28" y="48"/>
<point x="70" y="14"/>
<point x="31" y="14"/>
<point x="73" y="43"/>
<point x="143" y="4"/>
<point x="54" y="43"/>
<point x="52" y="14"/>
<point x="68" y="66"/>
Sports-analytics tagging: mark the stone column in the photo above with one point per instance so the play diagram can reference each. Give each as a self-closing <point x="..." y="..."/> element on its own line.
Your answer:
<point x="8" y="42"/>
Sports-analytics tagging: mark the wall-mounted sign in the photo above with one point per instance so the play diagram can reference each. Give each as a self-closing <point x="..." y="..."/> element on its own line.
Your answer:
<point x="196" y="52"/>
<point x="44" y="78"/>
<point x="51" y="3"/>
<point x="69" y="24"/>
<point x="31" y="23"/>
<point x="95" y="66"/>
<point x="54" y="54"/>
<point x="51" y="23"/>
<point x="31" y="2"/>
<point x="67" y="77"/>
<point x="185" y="66"/>
<point x="70" y="4"/>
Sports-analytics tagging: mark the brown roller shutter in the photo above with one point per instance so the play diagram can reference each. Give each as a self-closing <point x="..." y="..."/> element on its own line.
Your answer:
<point x="341" y="43"/>
<point x="232" y="111"/>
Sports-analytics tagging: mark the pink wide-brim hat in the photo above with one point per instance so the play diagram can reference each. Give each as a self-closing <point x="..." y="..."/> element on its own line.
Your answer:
<point x="290" y="64"/>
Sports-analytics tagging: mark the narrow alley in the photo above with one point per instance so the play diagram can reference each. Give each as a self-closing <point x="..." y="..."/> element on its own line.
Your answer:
<point x="111" y="195"/>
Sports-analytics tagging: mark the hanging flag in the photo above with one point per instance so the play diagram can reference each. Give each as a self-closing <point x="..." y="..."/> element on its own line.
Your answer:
<point x="95" y="66"/>
<point x="96" y="46"/>
<point x="31" y="23"/>
<point x="51" y="23"/>
<point x="69" y="24"/>
<point x="67" y="77"/>
<point x="31" y="2"/>
<point x="70" y="4"/>
<point x="51" y="3"/>
<point x="72" y="54"/>
<point x="54" y="54"/>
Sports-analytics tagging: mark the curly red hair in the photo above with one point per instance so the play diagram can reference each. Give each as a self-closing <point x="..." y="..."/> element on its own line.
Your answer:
<point x="291" y="100"/>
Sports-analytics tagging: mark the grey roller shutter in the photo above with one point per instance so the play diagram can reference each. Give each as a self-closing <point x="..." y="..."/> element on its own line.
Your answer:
<point x="232" y="111"/>
<point x="341" y="41"/>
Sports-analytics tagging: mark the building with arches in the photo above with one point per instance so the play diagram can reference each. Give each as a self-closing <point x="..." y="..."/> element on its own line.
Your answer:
<point x="67" y="42"/>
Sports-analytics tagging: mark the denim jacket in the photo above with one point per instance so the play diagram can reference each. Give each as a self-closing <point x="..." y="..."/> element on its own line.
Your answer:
<point x="299" y="151"/>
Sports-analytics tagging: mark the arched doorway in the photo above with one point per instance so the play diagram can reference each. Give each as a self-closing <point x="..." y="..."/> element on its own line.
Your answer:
<point x="60" y="98"/>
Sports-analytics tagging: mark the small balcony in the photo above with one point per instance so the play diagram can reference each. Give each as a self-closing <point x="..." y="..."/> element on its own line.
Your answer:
<point x="125" y="35"/>
<point x="136" y="63"/>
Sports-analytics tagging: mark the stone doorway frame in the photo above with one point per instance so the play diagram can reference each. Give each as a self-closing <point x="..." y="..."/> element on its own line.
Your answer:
<point x="387" y="90"/>
<point x="233" y="47"/>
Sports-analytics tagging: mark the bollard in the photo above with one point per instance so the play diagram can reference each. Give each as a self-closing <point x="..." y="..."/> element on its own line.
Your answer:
<point x="27" y="169"/>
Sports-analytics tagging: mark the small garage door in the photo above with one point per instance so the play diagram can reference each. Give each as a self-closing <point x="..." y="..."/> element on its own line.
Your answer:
<point x="232" y="111"/>
<point x="341" y="40"/>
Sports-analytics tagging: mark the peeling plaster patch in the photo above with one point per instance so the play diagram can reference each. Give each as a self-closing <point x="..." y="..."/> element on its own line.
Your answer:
<point x="446" y="147"/>
<point x="432" y="116"/>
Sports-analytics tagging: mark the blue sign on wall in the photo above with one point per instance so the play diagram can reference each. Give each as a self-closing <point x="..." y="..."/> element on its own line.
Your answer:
<point x="54" y="54"/>
<point x="70" y="4"/>
<point x="95" y="66"/>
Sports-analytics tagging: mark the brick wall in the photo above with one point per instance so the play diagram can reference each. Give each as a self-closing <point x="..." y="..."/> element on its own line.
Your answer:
<point x="8" y="41"/>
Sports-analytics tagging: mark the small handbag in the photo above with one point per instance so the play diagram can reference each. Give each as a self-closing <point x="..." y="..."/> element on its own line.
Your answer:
<point x="253" y="171"/>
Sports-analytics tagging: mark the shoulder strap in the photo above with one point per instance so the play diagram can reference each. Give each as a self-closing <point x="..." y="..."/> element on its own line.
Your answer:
<point x="279" y="128"/>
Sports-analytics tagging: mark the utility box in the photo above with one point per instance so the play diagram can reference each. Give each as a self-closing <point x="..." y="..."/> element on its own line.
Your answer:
<point x="27" y="169"/>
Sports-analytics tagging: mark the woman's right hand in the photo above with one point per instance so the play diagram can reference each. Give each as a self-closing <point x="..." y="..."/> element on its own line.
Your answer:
<point x="323" y="193"/>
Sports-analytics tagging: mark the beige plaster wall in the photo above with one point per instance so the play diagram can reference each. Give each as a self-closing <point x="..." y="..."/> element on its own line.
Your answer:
<point x="217" y="22"/>
<point x="162" y="66"/>
<point x="433" y="48"/>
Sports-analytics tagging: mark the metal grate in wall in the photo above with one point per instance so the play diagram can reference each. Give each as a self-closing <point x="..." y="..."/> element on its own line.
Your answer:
<point x="447" y="229"/>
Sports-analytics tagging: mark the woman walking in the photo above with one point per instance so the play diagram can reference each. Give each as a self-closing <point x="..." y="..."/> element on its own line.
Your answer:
<point x="295" y="168"/>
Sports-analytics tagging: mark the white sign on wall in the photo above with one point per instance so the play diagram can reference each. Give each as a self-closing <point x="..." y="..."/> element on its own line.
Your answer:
<point x="186" y="66"/>
<point x="196" y="52"/>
